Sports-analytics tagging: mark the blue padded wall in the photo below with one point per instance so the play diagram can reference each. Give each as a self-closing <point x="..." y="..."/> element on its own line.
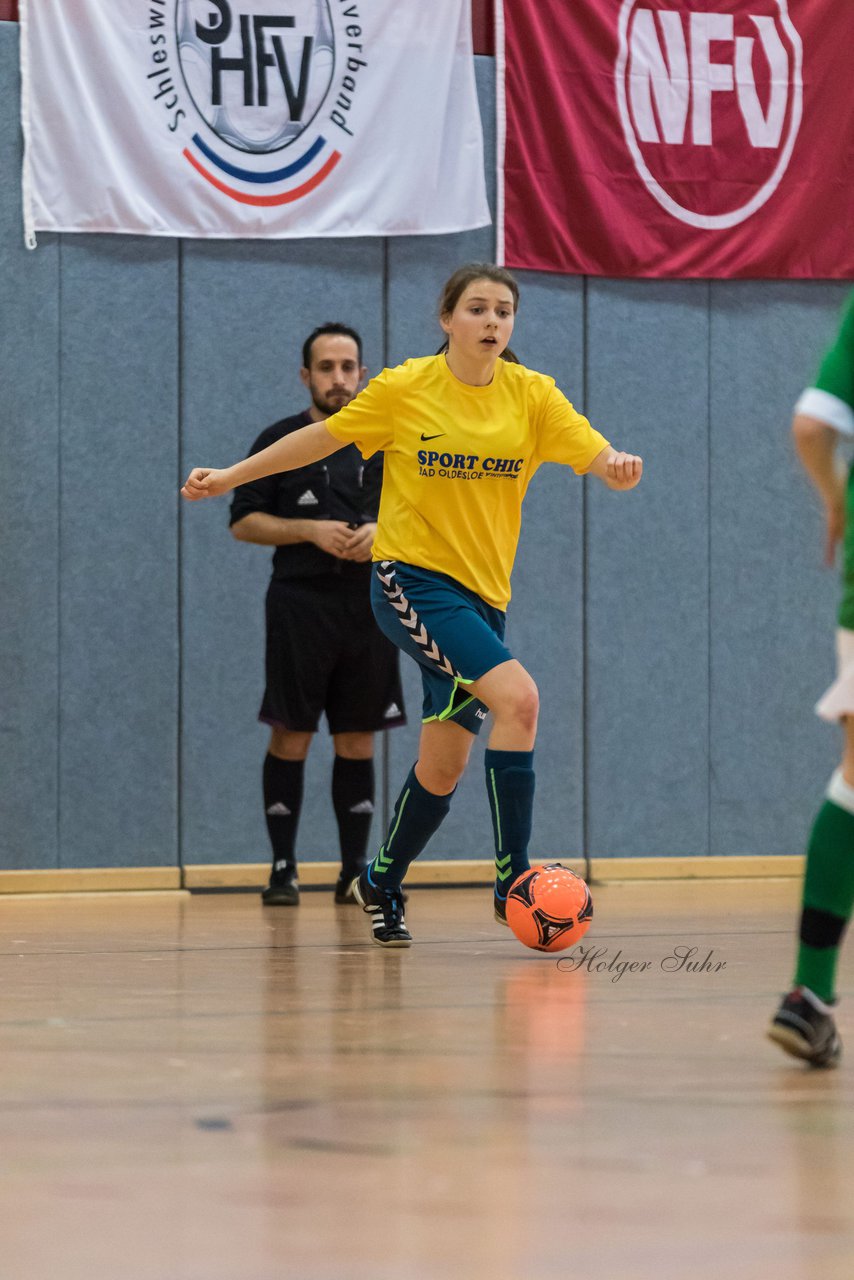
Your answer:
<point x="647" y="588"/>
<point x="29" y="497"/>
<point x="118" y="654"/>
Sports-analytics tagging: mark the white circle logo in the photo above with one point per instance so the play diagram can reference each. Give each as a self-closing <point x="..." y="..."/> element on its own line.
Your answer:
<point x="710" y="95"/>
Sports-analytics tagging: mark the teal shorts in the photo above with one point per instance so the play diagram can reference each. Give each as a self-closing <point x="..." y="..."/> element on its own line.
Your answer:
<point x="453" y="635"/>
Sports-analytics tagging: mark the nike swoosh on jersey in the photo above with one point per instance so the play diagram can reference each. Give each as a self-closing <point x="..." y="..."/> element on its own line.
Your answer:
<point x="435" y="437"/>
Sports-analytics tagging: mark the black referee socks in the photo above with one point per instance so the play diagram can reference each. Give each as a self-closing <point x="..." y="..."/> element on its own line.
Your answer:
<point x="282" y="804"/>
<point x="353" y="801"/>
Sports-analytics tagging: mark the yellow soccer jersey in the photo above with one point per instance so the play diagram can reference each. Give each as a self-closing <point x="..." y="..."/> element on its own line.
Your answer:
<point x="458" y="460"/>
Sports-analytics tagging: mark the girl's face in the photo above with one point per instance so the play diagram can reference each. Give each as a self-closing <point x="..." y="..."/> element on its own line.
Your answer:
<point x="482" y="321"/>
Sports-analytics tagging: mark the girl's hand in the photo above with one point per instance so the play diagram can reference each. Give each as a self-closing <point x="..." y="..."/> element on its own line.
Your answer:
<point x="623" y="471"/>
<point x="205" y="482"/>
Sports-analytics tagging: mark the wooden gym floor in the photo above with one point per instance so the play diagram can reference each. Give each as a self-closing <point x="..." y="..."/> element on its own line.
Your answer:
<point x="194" y="1088"/>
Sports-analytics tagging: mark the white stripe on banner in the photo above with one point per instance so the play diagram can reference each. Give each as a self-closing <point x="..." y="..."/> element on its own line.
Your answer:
<point x="26" y="177"/>
<point x="500" y="129"/>
<point x="250" y="118"/>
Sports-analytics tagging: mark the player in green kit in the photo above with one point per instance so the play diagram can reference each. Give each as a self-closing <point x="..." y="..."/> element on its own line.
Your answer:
<point x="803" y="1024"/>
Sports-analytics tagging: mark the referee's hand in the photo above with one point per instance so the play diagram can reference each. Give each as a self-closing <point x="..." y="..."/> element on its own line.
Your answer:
<point x="361" y="544"/>
<point x="331" y="536"/>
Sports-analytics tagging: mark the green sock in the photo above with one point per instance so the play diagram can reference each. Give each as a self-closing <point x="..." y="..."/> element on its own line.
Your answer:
<point x="828" y="895"/>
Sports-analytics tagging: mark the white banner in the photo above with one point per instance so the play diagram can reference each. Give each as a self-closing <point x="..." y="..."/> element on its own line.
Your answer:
<point x="273" y="118"/>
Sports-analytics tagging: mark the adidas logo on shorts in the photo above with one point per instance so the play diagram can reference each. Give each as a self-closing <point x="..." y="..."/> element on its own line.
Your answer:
<point x="364" y="806"/>
<point x="307" y="499"/>
<point x="393" y="710"/>
<point x="278" y="810"/>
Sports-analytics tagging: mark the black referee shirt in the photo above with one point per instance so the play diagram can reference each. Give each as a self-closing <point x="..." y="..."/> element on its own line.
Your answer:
<point x="341" y="487"/>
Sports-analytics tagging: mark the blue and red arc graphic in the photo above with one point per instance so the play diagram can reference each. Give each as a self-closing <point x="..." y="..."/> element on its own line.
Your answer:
<point x="285" y="174"/>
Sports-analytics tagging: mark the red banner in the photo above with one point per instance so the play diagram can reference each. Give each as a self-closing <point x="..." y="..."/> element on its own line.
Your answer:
<point x="676" y="138"/>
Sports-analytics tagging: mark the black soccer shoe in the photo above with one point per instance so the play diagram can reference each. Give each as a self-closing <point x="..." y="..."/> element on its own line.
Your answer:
<point x="500" y="905"/>
<point x="283" y="889"/>
<point x="344" y="889"/>
<point x="805" y="1032"/>
<point x="385" y="907"/>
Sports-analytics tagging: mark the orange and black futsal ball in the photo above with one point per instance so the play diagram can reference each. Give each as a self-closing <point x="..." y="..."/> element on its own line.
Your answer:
<point x="549" y="908"/>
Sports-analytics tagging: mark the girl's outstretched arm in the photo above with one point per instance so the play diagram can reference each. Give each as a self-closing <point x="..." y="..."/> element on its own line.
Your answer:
<point x="298" y="449"/>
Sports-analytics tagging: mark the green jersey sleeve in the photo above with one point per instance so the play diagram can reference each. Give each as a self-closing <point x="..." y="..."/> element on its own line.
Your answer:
<point x="831" y="397"/>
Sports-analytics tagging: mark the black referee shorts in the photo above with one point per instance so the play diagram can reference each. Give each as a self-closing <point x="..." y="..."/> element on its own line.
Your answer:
<point x="325" y="653"/>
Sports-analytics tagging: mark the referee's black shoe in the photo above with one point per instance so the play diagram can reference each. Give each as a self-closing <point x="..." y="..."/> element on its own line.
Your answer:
<point x="385" y="907"/>
<point x="345" y="882"/>
<point x="283" y="889"/>
<point x="344" y="888"/>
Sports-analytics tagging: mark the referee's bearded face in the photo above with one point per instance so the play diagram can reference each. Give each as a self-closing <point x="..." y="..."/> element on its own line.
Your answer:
<point x="335" y="374"/>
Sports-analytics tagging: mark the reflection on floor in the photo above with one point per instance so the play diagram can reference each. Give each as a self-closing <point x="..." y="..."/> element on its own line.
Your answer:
<point x="196" y="1088"/>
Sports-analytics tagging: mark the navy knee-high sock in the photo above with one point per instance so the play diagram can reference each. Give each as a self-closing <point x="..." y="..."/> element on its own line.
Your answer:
<point x="510" y="787"/>
<point x="417" y="814"/>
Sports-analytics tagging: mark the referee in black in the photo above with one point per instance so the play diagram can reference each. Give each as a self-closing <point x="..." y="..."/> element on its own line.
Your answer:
<point x="324" y="650"/>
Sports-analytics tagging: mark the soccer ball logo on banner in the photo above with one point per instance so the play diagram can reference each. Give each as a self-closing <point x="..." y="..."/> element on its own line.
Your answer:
<point x="710" y="96"/>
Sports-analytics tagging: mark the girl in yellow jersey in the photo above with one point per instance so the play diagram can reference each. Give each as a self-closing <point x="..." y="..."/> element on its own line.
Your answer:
<point x="463" y="433"/>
